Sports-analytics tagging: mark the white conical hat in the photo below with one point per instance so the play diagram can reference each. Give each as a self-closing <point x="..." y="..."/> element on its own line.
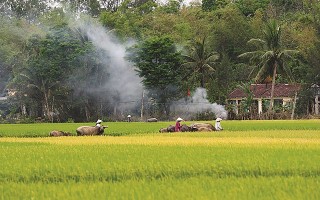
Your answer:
<point x="179" y="119"/>
<point x="99" y="121"/>
<point x="218" y="119"/>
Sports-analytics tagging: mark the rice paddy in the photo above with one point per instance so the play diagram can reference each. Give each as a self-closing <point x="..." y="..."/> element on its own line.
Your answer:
<point x="248" y="160"/>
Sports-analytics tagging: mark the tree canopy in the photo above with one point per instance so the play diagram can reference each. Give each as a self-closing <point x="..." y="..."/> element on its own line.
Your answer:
<point x="57" y="68"/>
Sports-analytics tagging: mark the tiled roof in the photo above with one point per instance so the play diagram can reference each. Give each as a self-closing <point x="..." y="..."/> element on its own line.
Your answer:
<point x="264" y="91"/>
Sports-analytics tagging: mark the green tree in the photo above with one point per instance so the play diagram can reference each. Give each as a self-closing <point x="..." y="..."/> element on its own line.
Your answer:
<point x="270" y="56"/>
<point x="12" y="40"/>
<point x="200" y="61"/>
<point x="249" y="7"/>
<point x="231" y="32"/>
<point x="50" y="60"/>
<point x="172" y="6"/>
<point x="128" y="20"/>
<point x="222" y="81"/>
<point x="157" y="61"/>
<point x="209" y="5"/>
<point x="28" y="9"/>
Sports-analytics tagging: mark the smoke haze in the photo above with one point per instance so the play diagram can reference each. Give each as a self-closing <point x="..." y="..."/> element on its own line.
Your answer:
<point x="198" y="104"/>
<point x="124" y="85"/>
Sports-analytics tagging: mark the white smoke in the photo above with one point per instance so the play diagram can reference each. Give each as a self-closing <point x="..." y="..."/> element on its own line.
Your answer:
<point x="124" y="86"/>
<point x="199" y="104"/>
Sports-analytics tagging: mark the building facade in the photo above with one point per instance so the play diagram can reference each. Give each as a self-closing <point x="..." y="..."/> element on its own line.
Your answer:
<point x="284" y="96"/>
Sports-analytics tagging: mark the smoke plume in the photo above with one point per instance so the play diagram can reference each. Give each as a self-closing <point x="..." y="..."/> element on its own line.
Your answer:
<point x="124" y="86"/>
<point x="198" y="103"/>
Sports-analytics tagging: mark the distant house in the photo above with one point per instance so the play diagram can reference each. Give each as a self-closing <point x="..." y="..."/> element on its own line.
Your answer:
<point x="283" y="96"/>
<point x="4" y="95"/>
<point x="7" y="93"/>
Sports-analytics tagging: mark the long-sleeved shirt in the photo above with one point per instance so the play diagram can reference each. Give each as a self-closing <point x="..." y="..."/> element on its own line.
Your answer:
<point x="177" y="127"/>
<point x="218" y="126"/>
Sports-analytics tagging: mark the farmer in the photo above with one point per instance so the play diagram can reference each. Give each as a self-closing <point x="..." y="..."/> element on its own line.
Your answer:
<point x="218" y="126"/>
<point x="98" y="123"/>
<point x="178" y="125"/>
<point x="129" y="118"/>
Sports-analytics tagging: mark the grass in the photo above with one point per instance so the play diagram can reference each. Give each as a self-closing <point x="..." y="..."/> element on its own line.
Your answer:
<point x="190" y="188"/>
<point x="268" y="163"/>
<point x="124" y="128"/>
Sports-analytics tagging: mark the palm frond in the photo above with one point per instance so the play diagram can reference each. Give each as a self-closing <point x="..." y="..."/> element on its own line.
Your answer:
<point x="257" y="42"/>
<point x="34" y="86"/>
<point x="288" y="53"/>
<point x="53" y="84"/>
<point x="195" y="54"/>
<point x="272" y="34"/>
<point x="214" y="56"/>
<point x="25" y="76"/>
<point x="268" y="55"/>
<point x="254" y="68"/>
<point x="189" y="64"/>
<point x="208" y="68"/>
<point x="188" y="58"/>
<point x="251" y="54"/>
<point x="287" y="71"/>
<point x="262" y="72"/>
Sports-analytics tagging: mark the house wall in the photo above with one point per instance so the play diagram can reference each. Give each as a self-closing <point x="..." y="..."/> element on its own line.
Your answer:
<point x="237" y="101"/>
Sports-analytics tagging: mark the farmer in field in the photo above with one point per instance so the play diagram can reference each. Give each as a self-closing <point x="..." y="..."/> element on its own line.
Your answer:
<point x="98" y="123"/>
<point x="218" y="126"/>
<point x="178" y="125"/>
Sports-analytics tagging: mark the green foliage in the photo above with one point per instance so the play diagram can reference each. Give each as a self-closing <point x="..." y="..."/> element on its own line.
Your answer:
<point x="287" y="5"/>
<point x="200" y="62"/>
<point x="157" y="60"/>
<point x="13" y="35"/>
<point x="247" y="102"/>
<point x="158" y="64"/>
<point x="270" y="56"/>
<point x="128" y="21"/>
<point x="231" y="33"/>
<point x="42" y="84"/>
<point x="226" y="24"/>
<point x="210" y="5"/>
<point x="249" y="7"/>
<point x="220" y="80"/>
<point x="29" y="9"/>
<point x="172" y="6"/>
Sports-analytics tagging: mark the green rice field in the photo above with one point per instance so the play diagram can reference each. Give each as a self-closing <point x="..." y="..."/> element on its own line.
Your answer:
<point x="247" y="160"/>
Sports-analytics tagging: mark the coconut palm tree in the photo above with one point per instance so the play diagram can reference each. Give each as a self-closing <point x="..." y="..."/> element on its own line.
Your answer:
<point x="200" y="61"/>
<point x="270" y="56"/>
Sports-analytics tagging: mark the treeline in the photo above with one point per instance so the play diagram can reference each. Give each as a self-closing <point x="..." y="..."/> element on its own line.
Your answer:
<point x="58" y="72"/>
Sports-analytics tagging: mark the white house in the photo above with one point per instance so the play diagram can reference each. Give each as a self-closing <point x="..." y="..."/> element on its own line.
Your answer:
<point x="284" y="95"/>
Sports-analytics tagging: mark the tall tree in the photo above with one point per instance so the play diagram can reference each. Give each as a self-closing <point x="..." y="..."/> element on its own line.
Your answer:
<point x="12" y="40"/>
<point x="200" y="61"/>
<point x="157" y="61"/>
<point x="50" y="61"/>
<point x="209" y="5"/>
<point x="249" y="7"/>
<point x="29" y="9"/>
<point x="270" y="56"/>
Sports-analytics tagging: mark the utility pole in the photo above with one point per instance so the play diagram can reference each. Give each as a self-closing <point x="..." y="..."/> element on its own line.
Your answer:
<point x="142" y="105"/>
<point x="52" y="113"/>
